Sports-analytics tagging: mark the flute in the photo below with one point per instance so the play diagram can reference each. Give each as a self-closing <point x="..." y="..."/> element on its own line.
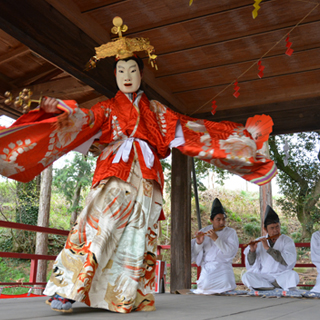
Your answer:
<point x="205" y="233"/>
<point x="259" y="240"/>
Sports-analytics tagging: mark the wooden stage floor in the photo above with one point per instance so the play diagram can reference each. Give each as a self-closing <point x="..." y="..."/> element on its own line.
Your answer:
<point x="174" y="307"/>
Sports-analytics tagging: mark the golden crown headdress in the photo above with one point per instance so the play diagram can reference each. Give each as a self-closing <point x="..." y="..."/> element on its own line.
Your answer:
<point x="122" y="47"/>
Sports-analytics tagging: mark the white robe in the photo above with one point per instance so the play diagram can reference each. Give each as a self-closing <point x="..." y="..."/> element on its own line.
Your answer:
<point x="315" y="257"/>
<point x="215" y="259"/>
<point x="266" y="269"/>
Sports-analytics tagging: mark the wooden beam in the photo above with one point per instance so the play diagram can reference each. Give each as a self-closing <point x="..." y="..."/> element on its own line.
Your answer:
<point x="35" y="75"/>
<point x="59" y="88"/>
<point x="46" y="31"/>
<point x="283" y="88"/>
<point x="180" y="274"/>
<point x="43" y="28"/>
<point x="12" y="54"/>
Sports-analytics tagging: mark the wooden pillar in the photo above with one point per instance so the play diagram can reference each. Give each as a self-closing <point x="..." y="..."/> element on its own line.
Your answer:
<point x="265" y="199"/>
<point x="265" y="193"/>
<point x="180" y="273"/>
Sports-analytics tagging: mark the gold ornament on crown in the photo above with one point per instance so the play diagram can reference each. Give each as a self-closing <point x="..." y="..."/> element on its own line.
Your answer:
<point x="122" y="47"/>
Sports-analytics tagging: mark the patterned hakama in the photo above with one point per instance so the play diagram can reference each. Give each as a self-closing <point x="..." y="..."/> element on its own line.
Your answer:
<point x="100" y="264"/>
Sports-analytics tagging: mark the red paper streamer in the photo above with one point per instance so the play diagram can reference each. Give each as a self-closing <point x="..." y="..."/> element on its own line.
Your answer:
<point x="288" y="45"/>
<point x="260" y="68"/>
<point x="236" y="94"/>
<point x="214" y="107"/>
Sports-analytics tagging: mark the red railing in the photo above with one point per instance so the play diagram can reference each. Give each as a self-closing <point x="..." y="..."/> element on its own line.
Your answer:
<point x="242" y="263"/>
<point x="35" y="257"/>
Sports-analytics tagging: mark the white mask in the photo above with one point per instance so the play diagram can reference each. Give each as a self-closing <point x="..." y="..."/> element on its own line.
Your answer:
<point x="128" y="76"/>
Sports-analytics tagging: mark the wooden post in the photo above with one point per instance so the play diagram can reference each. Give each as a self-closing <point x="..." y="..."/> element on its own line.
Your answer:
<point x="265" y="193"/>
<point x="265" y="199"/>
<point x="43" y="221"/>
<point x="180" y="274"/>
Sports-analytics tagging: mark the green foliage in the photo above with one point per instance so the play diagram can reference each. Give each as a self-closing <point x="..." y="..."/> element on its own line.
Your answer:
<point x="76" y="173"/>
<point x="12" y="270"/>
<point x="299" y="180"/>
<point x="284" y="229"/>
<point x="202" y="170"/>
<point x="253" y="219"/>
<point x="296" y="236"/>
<point x="28" y="202"/>
<point x="252" y="229"/>
<point x="233" y="216"/>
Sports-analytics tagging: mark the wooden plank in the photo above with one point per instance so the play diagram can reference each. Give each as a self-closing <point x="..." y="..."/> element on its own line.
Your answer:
<point x="289" y="87"/>
<point x="87" y="24"/>
<point x="38" y="73"/>
<point x="305" y="37"/>
<point x="89" y="5"/>
<point x="288" y="116"/>
<point x="215" y="28"/>
<point x="154" y="89"/>
<point x="180" y="222"/>
<point x="276" y="65"/>
<point x="42" y="28"/>
<point x="13" y="54"/>
<point x="63" y="88"/>
<point x="153" y="14"/>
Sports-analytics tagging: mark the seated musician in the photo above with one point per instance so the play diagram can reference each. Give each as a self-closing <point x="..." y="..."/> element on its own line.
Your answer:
<point x="315" y="257"/>
<point x="270" y="260"/>
<point x="213" y="249"/>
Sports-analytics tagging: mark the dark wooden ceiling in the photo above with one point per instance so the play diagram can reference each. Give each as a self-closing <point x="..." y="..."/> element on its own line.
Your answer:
<point x="201" y="49"/>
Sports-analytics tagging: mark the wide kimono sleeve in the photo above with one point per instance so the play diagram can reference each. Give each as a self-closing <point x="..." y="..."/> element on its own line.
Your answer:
<point x="256" y="266"/>
<point x="37" y="139"/>
<point x="288" y="252"/>
<point x="228" y="245"/>
<point x="231" y="146"/>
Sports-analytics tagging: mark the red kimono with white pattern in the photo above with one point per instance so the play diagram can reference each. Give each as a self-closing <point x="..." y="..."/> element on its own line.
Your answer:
<point x="37" y="139"/>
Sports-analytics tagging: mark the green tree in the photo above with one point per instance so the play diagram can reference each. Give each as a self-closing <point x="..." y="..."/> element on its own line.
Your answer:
<point x="299" y="176"/>
<point x="27" y="208"/>
<point x="72" y="179"/>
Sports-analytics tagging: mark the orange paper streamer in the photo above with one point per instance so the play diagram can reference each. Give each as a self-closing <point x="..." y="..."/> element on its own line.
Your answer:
<point x="260" y="68"/>
<point x="236" y="94"/>
<point x="214" y="107"/>
<point x="289" y="51"/>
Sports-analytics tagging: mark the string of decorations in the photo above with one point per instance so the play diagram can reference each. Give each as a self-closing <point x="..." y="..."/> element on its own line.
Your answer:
<point x="258" y="62"/>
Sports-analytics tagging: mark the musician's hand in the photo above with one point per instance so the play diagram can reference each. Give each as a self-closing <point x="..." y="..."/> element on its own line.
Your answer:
<point x="49" y="105"/>
<point x="253" y="247"/>
<point x="199" y="237"/>
<point x="265" y="244"/>
<point x="212" y="235"/>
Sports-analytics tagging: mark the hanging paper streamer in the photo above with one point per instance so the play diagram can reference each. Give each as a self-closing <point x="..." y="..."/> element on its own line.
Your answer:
<point x="288" y="45"/>
<point x="260" y="68"/>
<point x="236" y="94"/>
<point x="214" y="107"/>
<point x="256" y="8"/>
